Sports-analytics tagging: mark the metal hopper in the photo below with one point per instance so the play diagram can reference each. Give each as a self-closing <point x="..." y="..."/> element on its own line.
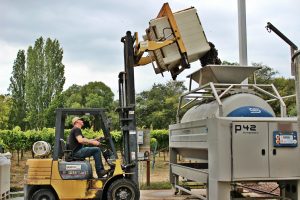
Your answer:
<point x="222" y="74"/>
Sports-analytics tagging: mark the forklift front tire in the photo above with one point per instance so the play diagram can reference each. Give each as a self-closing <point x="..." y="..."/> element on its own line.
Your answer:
<point x="43" y="194"/>
<point x="123" y="189"/>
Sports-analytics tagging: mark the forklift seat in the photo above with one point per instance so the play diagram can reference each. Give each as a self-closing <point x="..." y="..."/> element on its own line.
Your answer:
<point x="67" y="153"/>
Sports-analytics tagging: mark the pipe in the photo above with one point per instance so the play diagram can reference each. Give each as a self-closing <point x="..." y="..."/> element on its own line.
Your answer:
<point x="242" y="35"/>
<point x="296" y="61"/>
<point x="270" y="27"/>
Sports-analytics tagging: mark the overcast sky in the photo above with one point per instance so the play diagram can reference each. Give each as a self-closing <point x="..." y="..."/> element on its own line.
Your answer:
<point x="90" y="32"/>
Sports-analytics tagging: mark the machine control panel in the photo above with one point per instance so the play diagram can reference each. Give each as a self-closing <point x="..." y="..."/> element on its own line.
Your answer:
<point x="285" y="139"/>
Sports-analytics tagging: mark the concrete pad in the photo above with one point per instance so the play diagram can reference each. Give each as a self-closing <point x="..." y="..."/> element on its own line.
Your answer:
<point x="164" y="195"/>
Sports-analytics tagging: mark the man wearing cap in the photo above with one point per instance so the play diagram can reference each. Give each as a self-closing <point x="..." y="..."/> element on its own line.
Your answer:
<point x="76" y="141"/>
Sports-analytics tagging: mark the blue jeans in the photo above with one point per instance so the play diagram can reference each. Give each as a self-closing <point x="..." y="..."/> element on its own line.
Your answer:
<point x="85" y="152"/>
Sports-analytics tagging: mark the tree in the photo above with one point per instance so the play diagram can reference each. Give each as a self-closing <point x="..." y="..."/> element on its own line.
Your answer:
<point x="285" y="87"/>
<point x="157" y="107"/>
<point x="34" y="83"/>
<point x="97" y="94"/>
<point x="91" y="95"/>
<point x="44" y="79"/>
<point x="5" y="106"/>
<point x="55" y="79"/>
<point x="72" y="97"/>
<point x="17" y="89"/>
<point x="265" y="75"/>
<point x="229" y="63"/>
<point x="114" y="116"/>
<point x="57" y="102"/>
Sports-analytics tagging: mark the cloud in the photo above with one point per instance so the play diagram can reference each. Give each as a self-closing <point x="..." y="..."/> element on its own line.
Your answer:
<point x="7" y="50"/>
<point x="90" y="33"/>
<point x="81" y="74"/>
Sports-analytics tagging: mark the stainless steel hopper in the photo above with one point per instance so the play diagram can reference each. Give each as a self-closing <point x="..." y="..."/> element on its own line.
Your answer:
<point x="222" y="74"/>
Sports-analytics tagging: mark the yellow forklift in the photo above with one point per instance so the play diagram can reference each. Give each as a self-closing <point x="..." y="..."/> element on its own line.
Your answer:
<point x="171" y="46"/>
<point x="67" y="177"/>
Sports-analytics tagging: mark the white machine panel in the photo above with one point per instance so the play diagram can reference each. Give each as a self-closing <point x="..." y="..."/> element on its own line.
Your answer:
<point x="250" y="150"/>
<point x="284" y="157"/>
<point x="140" y="137"/>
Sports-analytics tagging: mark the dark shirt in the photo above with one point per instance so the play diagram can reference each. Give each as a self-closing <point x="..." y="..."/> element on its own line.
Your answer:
<point x="74" y="145"/>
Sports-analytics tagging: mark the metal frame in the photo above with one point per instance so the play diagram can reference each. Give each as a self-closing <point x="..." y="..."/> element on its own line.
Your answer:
<point x="216" y="91"/>
<point x="127" y="107"/>
<point x="61" y="114"/>
<point x="141" y="47"/>
<point x="190" y="192"/>
<point x="167" y="12"/>
<point x="152" y="45"/>
<point x="270" y="27"/>
<point x="191" y="173"/>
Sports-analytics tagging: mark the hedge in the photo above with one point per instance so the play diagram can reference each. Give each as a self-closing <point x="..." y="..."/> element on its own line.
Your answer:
<point x="19" y="140"/>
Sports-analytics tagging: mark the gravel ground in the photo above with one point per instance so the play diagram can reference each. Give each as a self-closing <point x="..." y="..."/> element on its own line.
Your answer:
<point x="270" y="187"/>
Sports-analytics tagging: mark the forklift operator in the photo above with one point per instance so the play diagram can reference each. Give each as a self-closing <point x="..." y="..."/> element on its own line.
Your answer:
<point x="76" y="141"/>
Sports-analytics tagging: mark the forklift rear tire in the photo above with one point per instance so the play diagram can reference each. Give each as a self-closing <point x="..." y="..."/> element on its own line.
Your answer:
<point x="123" y="189"/>
<point x="43" y="194"/>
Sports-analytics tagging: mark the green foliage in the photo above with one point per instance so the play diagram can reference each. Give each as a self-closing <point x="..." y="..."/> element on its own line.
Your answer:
<point x="17" y="139"/>
<point x="97" y="95"/>
<point x="157" y="107"/>
<point x="285" y="87"/>
<point x="72" y="97"/>
<point x="55" y="79"/>
<point x="14" y="140"/>
<point x="224" y="62"/>
<point x="50" y="115"/>
<point x="114" y="116"/>
<point x="153" y="144"/>
<point x="162" y="138"/>
<point x="2" y="144"/>
<point x="17" y="89"/>
<point x="89" y="133"/>
<point x="44" y="80"/>
<point x="117" y="138"/>
<point x="265" y="75"/>
<point x="5" y="137"/>
<point x="91" y="95"/>
<point x="5" y="109"/>
<point x="34" y="84"/>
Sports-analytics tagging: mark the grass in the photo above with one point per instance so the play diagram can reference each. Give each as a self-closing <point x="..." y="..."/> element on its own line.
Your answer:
<point x="156" y="186"/>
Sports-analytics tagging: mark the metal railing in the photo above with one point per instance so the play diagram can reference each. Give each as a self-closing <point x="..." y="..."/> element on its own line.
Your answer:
<point x="217" y="91"/>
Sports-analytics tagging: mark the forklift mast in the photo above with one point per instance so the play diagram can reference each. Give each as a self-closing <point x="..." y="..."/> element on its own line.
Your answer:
<point x="127" y="107"/>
